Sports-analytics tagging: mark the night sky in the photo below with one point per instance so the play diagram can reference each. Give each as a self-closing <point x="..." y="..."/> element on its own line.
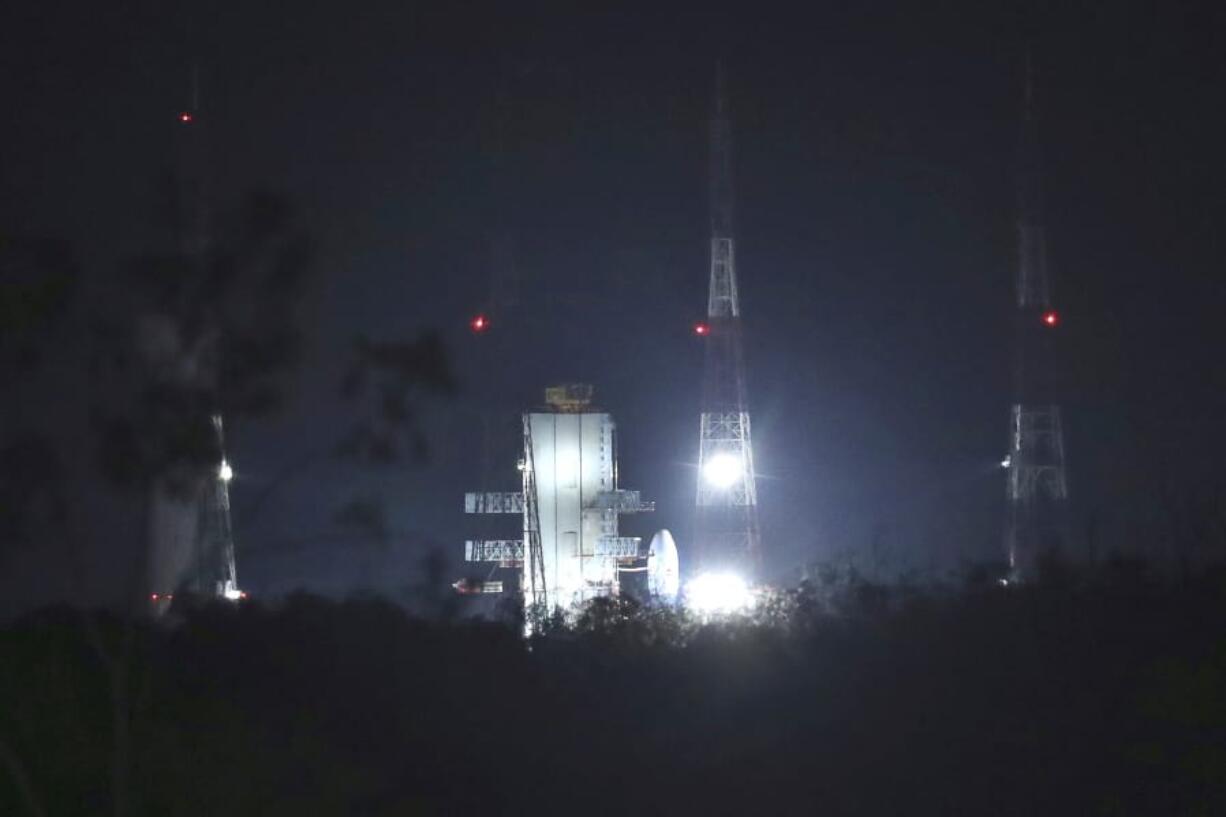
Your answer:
<point x="875" y="155"/>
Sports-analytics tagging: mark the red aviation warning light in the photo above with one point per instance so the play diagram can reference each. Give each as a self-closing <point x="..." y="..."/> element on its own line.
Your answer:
<point x="1051" y="318"/>
<point x="479" y="324"/>
<point x="186" y="117"/>
<point x="701" y="329"/>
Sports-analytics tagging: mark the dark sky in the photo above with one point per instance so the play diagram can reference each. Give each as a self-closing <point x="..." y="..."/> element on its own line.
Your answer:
<point x="875" y="147"/>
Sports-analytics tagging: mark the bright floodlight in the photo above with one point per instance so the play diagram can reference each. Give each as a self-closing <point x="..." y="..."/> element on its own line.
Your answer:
<point x="714" y="593"/>
<point x="722" y="470"/>
<point x="225" y="472"/>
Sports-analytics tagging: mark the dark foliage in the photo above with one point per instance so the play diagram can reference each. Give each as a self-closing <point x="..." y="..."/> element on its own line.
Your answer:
<point x="204" y="330"/>
<point x="38" y="278"/>
<point x="388" y="380"/>
<point x="1096" y="696"/>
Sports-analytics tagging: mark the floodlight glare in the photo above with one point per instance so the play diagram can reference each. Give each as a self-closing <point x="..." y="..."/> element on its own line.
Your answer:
<point x="716" y="593"/>
<point x="722" y="470"/>
<point x="225" y="472"/>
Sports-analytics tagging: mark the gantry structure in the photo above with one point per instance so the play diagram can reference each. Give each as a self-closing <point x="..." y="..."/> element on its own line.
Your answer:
<point x="571" y="550"/>
<point x="726" y="535"/>
<point x="191" y="531"/>
<point x="1036" y="480"/>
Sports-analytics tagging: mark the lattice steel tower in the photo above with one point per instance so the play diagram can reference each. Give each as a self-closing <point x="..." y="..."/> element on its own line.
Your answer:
<point x="726" y="525"/>
<point x="191" y="534"/>
<point x="216" y="572"/>
<point x="1036" y="486"/>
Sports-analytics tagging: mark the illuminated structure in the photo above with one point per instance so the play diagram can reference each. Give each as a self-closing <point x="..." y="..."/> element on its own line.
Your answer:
<point x="1036" y="486"/>
<point x="726" y="524"/>
<point x="195" y="551"/>
<point x="191" y="542"/>
<point x="663" y="568"/>
<point x="216" y="571"/>
<point x="570" y="549"/>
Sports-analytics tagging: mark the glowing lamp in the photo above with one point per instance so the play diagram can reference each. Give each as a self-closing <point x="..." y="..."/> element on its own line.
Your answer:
<point x="722" y="470"/>
<point x="1051" y="318"/>
<point x="225" y="473"/>
<point x="186" y="117"/>
<point x="718" y="593"/>
<point x="701" y="329"/>
<point x="479" y="324"/>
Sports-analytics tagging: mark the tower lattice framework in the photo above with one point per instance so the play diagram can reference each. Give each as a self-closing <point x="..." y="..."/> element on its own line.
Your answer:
<point x="1036" y="484"/>
<point x="203" y="558"/>
<point x="726" y="534"/>
<point x="217" y="573"/>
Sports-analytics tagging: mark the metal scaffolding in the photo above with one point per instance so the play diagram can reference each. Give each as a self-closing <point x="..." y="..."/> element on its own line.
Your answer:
<point x="1036" y="481"/>
<point x="217" y="573"/>
<point x="726" y="532"/>
<point x="532" y="528"/>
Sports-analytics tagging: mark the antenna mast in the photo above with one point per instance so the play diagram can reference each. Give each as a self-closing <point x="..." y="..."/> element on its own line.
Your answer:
<point x="1036" y="484"/>
<point x="726" y="528"/>
<point x="201" y="559"/>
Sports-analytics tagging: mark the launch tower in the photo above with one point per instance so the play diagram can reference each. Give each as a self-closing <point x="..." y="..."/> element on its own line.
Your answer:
<point x="191" y="537"/>
<point x="570" y="504"/>
<point x="1036" y="485"/>
<point x="726" y="524"/>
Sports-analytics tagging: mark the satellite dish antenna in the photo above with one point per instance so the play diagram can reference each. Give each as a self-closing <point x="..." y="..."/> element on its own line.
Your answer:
<point x="663" y="568"/>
